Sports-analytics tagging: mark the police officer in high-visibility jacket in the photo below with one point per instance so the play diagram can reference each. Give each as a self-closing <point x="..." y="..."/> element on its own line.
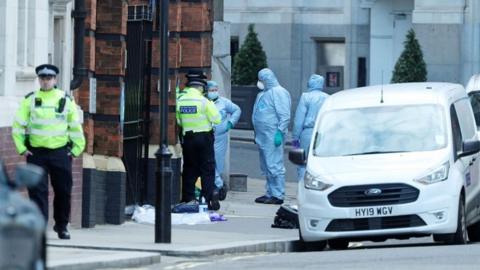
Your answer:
<point x="196" y="116"/>
<point x="48" y="132"/>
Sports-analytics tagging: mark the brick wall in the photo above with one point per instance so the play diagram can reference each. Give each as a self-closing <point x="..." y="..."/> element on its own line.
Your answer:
<point x="190" y="46"/>
<point x="11" y="159"/>
<point x="105" y="54"/>
<point x="7" y="151"/>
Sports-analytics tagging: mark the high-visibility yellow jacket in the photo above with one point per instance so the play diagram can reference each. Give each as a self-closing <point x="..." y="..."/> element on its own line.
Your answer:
<point x="195" y="112"/>
<point x="41" y="120"/>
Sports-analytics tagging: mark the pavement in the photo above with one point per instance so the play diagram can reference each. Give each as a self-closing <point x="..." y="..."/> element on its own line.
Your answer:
<point x="131" y="244"/>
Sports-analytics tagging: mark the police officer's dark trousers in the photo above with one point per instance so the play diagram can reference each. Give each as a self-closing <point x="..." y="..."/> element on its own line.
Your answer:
<point x="58" y="165"/>
<point x="198" y="161"/>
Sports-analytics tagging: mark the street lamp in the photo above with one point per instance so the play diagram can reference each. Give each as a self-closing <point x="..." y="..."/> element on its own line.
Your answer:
<point x="163" y="225"/>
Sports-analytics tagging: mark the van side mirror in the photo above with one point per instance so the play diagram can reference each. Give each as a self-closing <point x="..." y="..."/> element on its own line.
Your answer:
<point x="28" y="175"/>
<point x="297" y="156"/>
<point x="469" y="148"/>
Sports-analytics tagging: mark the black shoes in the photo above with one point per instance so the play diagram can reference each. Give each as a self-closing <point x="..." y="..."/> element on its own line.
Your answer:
<point x="222" y="193"/>
<point x="268" y="200"/>
<point x="262" y="199"/>
<point x="214" y="203"/>
<point x="62" y="233"/>
<point x="273" y="200"/>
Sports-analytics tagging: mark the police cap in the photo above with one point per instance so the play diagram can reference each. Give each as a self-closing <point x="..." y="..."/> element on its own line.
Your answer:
<point x="196" y="77"/>
<point x="46" y="70"/>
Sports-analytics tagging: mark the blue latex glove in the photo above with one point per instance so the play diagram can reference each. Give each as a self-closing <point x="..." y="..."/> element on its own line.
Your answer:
<point x="278" y="138"/>
<point x="229" y="126"/>
<point x="296" y="144"/>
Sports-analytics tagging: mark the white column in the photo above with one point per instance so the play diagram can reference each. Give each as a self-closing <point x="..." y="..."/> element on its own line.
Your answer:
<point x="61" y="41"/>
<point x="221" y="70"/>
<point x="390" y="21"/>
<point x="381" y="43"/>
<point x="8" y="46"/>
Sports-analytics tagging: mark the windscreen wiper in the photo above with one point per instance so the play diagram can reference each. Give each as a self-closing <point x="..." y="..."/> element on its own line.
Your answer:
<point x="374" y="152"/>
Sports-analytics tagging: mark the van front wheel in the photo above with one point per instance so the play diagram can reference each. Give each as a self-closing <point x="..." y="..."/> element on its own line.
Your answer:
<point x="460" y="236"/>
<point x="338" y="244"/>
<point x="310" y="246"/>
<point x="474" y="232"/>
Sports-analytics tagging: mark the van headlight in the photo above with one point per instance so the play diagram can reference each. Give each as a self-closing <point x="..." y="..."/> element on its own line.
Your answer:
<point x="313" y="182"/>
<point x="437" y="175"/>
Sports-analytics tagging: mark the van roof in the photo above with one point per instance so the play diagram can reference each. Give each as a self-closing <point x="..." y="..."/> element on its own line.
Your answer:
<point x="397" y="94"/>
<point x="473" y="84"/>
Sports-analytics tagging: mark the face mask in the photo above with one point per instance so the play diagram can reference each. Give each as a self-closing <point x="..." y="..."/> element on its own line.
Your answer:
<point x="212" y="95"/>
<point x="260" y="85"/>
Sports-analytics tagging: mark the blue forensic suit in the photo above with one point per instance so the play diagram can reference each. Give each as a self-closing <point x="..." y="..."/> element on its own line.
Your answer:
<point x="271" y="113"/>
<point x="306" y="115"/>
<point x="230" y="112"/>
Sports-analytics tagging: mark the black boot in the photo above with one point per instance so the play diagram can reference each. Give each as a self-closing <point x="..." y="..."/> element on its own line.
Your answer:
<point x="222" y="193"/>
<point x="62" y="232"/>
<point x="214" y="203"/>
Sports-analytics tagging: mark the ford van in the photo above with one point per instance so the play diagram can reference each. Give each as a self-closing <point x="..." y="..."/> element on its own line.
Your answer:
<point x="391" y="161"/>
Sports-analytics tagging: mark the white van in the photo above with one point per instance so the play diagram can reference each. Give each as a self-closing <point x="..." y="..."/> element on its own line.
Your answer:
<point x="391" y="161"/>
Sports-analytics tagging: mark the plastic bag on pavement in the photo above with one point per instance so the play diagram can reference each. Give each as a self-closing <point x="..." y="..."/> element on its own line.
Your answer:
<point x="190" y="207"/>
<point x="286" y="217"/>
<point x="191" y="218"/>
<point x="129" y="209"/>
<point x="144" y="214"/>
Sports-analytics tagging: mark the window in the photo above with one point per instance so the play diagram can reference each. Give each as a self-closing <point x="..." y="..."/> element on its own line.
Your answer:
<point x="22" y="32"/>
<point x="234" y="47"/>
<point x="362" y="72"/>
<point x="464" y="113"/>
<point x="475" y="101"/>
<point x="25" y="33"/>
<point x="456" y="133"/>
<point x="376" y="130"/>
<point x="330" y="62"/>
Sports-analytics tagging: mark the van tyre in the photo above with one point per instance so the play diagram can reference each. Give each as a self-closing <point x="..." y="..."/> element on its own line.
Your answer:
<point x="310" y="246"/>
<point x="460" y="237"/>
<point x="474" y="232"/>
<point x="338" y="244"/>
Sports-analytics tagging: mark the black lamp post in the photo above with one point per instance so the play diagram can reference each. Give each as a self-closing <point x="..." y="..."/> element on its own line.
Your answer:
<point x="163" y="225"/>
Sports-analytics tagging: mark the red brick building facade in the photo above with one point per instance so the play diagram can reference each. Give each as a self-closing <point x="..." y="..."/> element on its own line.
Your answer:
<point x="190" y="46"/>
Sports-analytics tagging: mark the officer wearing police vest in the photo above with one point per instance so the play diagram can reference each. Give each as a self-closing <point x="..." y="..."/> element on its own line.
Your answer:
<point x="48" y="132"/>
<point x="196" y="116"/>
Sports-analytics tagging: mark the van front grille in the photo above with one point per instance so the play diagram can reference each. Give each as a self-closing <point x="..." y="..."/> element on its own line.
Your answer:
<point x="373" y="195"/>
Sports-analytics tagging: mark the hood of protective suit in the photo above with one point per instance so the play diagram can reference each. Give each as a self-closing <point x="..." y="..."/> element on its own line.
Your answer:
<point x="268" y="78"/>
<point x="212" y="84"/>
<point x="315" y="82"/>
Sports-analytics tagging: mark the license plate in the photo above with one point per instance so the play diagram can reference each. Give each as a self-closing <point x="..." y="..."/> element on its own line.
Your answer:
<point x="376" y="211"/>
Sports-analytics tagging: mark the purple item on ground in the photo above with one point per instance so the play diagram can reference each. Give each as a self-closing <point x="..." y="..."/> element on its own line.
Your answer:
<point x="296" y="144"/>
<point x="217" y="217"/>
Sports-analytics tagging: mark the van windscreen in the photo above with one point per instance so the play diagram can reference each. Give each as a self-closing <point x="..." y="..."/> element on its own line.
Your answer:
<point x="377" y="130"/>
